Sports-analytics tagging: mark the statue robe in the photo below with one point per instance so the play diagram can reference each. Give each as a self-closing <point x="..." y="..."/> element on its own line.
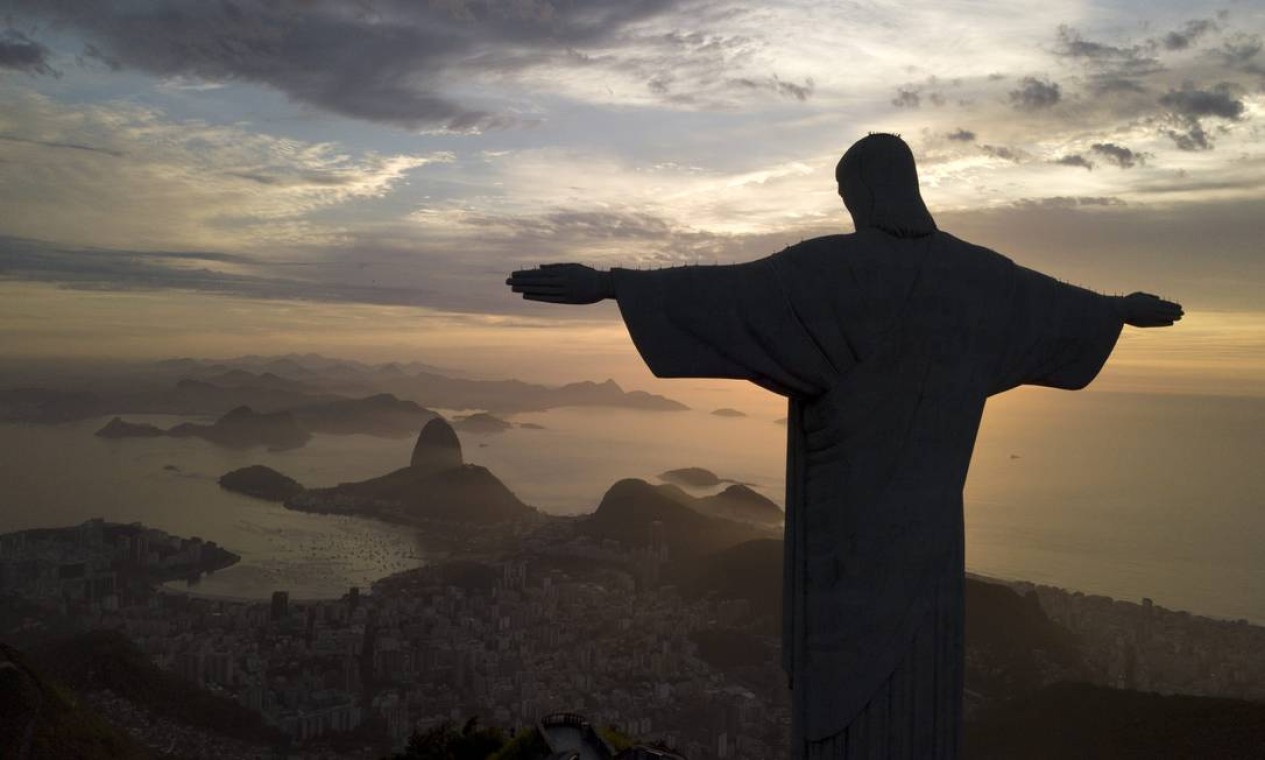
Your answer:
<point x="887" y="349"/>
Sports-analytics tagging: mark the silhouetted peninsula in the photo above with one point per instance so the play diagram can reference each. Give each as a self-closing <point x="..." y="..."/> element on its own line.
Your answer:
<point x="261" y="482"/>
<point x="727" y="412"/>
<point x="120" y="428"/>
<point x="435" y="486"/>
<point x="465" y="494"/>
<point x="243" y="428"/>
<point x="481" y="422"/>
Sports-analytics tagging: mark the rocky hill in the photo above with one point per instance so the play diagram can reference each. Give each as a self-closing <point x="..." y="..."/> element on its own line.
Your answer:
<point x="97" y="695"/>
<point x="243" y="428"/>
<point x="437" y="447"/>
<point x="630" y="508"/>
<point x="435" y="486"/>
<point x="120" y="428"/>
<point x="261" y="482"/>
<point x="468" y="494"/>
<point x="738" y="502"/>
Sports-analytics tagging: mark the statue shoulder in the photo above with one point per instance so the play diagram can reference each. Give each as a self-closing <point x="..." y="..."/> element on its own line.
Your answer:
<point x="826" y="245"/>
<point x="966" y="248"/>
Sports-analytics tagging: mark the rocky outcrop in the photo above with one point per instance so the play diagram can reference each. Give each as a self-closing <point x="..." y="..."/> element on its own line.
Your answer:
<point x="121" y="428"/>
<point x="437" y="485"/>
<point x="261" y="482"/>
<point x="437" y="448"/>
<point x="482" y="422"/>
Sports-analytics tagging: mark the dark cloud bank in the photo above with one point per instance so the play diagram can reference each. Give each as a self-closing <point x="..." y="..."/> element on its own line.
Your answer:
<point x="387" y="61"/>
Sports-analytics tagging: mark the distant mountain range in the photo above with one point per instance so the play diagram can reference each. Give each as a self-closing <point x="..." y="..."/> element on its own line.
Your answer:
<point x="325" y="395"/>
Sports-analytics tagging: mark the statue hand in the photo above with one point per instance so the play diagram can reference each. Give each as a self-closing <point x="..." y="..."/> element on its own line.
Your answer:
<point x="1146" y="310"/>
<point x="562" y="283"/>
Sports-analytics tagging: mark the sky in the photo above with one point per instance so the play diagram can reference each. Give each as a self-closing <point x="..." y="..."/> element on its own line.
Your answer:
<point x="357" y="178"/>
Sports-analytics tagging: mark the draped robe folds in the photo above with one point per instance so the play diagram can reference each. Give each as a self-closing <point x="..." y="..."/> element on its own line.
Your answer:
<point x="886" y="349"/>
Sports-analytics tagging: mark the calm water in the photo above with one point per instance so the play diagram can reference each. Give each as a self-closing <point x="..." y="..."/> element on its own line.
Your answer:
<point x="1124" y="495"/>
<point x="63" y="475"/>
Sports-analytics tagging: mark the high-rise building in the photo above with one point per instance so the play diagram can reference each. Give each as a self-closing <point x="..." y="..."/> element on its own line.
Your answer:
<point x="280" y="604"/>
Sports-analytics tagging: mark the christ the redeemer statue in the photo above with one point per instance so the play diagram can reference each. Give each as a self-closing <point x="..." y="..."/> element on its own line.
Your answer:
<point x="886" y="343"/>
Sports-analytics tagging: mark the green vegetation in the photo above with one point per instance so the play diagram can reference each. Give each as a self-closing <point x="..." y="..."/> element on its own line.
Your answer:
<point x="108" y="660"/>
<point x="529" y="745"/>
<point x="447" y="742"/>
<point x="58" y="725"/>
<point x="618" y="740"/>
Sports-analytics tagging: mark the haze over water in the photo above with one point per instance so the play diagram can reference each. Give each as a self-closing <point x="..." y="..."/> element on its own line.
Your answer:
<point x="1126" y="495"/>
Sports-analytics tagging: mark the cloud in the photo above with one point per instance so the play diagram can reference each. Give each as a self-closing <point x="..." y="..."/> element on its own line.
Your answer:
<point x="932" y="90"/>
<point x="124" y="175"/>
<point x="387" y="62"/>
<point x="800" y="92"/>
<point x="1109" y="84"/>
<point x="123" y="270"/>
<point x="1075" y="159"/>
<point x="21" y="53"/>
<point x="1034" y="94"/>
<point x="1071" y="44"/>
<point x="1240" y="51"/>
<point x="446" y="65"/>
<point x="1002" y="152"/>
<point x="961" y="135"/>
<point x="1185" y="37"/>
<point x="65" y="145"/>
<point x="1118" y="155"/>
<point x="1186" y="108"/>
<point x="1066" y="202"/>
<point x="1191" y="102"/>
<point x="1104" y="59"/>
<point x="907" y="97"/>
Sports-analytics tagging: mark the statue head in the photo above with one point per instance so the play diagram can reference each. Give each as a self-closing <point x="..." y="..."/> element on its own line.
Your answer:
<point x="879" y="185"/>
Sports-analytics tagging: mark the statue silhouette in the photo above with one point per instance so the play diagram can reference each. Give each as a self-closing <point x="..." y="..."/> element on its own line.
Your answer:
<point x="887" y="342"/>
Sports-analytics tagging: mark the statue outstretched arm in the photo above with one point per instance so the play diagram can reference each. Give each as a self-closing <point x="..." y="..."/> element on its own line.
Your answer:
<point x="1146" y="310"/>
<point x="563" y="283"/>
